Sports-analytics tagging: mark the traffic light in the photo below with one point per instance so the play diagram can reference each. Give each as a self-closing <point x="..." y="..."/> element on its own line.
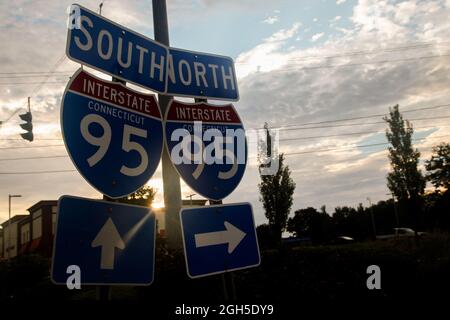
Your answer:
<point x="28" y="126"/>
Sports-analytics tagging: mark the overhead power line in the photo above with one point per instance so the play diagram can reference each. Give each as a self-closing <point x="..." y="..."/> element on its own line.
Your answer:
<point x="35" y="76"/>
<point x="36" y="172"/>
<point x="350" y="134"/>
<point x="344" y="148"/>
<point x="32" y="147"/>
<point x="40" y="83"/>
<point x="357" y="146"/>
<point x="367" y="51"/>
<point x="364" y="117"/>
<point x="331" y="66"/>
<point x="354" y="124"/>
<point x="36" y="72"/>
<point x="34" y="158"/>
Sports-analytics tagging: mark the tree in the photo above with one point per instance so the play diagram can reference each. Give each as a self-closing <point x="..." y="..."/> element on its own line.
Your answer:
<point x="438" y="167"/>
<point x="311" y="223"/>
<point x="144" y="196"/>
<point x="405" y="180"/>
<point x="276" y="190"/>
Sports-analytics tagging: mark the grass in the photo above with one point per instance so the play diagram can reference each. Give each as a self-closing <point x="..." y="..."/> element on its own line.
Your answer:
<point x="411" y="269"/>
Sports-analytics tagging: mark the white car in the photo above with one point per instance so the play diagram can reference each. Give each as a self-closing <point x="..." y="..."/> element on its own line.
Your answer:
<point x="400" y="233"/>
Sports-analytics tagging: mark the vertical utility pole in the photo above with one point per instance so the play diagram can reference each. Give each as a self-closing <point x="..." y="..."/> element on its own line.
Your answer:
<point x="373" y="219"/>
<point x="171" y="180"/>
<point x="395" y="211"/>
<point x="190" y="197"/>
<point x="9" y="224"/>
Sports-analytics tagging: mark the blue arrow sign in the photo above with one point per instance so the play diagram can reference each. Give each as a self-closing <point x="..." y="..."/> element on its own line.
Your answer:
<point x="207" y="146"/>
<point x="106" y="46"/>
<point x="219" y="239"/>
<point x="201" y="75"/>
<point x="111" y="243"/>
<point x="113" y="135"/>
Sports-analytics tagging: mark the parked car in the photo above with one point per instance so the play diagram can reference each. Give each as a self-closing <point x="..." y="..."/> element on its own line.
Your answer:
<point x="400" y="233"/>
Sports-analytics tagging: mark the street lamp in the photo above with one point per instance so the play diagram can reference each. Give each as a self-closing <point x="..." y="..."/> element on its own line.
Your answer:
<point x="9" y="219"/>
<point x="395" y="208"/>
<point x="190" y="197"/>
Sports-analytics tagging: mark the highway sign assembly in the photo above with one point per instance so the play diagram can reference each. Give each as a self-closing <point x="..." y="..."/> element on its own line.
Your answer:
<point x="111" y="243"/>
<point x="219" y="238"/>
<point x="107" y="46"/>
<point x="201" y="75"/>
<point x="113" y="135"/>
<point x="207" y="146"/>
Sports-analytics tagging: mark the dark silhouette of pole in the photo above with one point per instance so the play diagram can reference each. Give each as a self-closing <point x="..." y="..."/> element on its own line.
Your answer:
<point x="395" y="209"/>
<point x="372" y="218"/>
<point x="9" y="222"/>
<point x="171" y="179"/>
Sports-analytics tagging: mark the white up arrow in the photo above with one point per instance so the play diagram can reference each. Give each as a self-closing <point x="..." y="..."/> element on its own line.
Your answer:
<point x="232" y="235"/>
<point x="108" y="238"/>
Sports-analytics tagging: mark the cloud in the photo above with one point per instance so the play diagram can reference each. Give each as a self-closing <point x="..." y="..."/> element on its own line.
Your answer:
<point x="271" y="20"/>
<point x="280" y="85"/>
<point x="317" y="36"/>
<point x="256" y="58"/>
<point x="338" y="2"/>
<point x="288" y="87"/>
<point x="335" y="19"/>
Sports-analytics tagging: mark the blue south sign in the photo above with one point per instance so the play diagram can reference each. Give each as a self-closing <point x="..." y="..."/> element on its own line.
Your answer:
<point x="113" y="135"/>
<point x="107" y="46"/>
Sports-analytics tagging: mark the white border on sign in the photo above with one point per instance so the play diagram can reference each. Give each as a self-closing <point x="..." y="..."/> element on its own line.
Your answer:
<point x="69" y="35"/>
<point x="150" y="211"/>
<point x="204" y="96"/>
<point x="75" y="75"/>
<point x="227" y="270"/>
<point x="169" y="106"/>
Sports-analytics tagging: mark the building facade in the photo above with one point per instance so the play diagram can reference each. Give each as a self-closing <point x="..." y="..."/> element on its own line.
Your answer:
<point x="11" y="240"/>
<point x="34" y="233"/>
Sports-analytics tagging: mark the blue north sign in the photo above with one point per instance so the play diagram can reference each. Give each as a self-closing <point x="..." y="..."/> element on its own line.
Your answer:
<point x="109" y="47"/>
<point x="201" y="75"/>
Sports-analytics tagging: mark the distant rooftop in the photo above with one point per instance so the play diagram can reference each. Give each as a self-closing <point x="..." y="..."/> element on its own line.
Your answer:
<point x="16" y="218"/>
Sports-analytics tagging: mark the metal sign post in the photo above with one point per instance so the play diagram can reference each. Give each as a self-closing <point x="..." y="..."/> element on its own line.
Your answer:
<point x="171" y="180"/>
<point x="225" y="277"/>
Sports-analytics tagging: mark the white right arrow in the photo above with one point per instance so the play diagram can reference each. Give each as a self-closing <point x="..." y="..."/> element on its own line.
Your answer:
<point x="109" y="239"/>
<point x="232" y="235"/>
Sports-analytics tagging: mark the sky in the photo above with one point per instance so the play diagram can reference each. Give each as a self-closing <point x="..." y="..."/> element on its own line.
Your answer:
<point x="297" y="62"/>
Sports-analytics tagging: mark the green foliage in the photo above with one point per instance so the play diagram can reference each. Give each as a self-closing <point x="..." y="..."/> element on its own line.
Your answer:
<point x="312" y="224"/>
<point x="144" y="196"/>
<point x="438" y="167"/>
<point x="266" y="238"/>
<point x="276" y="192"/>
<point x="405" y="180"/>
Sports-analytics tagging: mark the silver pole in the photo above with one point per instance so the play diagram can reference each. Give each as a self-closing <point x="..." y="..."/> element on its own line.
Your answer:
<point x="171" y="180"/>
<point x="9" y="226"/>
<point x="9" y="222"/>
